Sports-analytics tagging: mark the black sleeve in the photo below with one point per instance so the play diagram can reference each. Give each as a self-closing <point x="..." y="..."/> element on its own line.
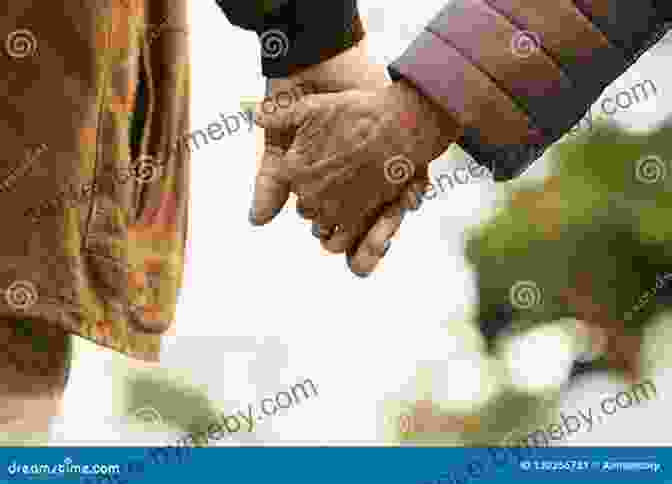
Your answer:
<point x="297" y="33"/>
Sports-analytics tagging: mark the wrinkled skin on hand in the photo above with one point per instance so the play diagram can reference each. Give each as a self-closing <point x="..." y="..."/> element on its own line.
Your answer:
<point x="352" y="164"/>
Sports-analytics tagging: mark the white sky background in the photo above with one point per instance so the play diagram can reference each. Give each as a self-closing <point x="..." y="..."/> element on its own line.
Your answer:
<point x="358" y="340"/>
<point x="354" y="338"/>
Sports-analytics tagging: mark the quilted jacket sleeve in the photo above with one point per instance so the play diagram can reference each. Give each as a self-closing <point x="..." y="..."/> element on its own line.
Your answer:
<point x="518" y="74"/>
<point x="297" y="33"/>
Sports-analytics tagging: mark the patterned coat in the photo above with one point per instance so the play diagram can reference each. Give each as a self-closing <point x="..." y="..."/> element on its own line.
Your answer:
<point x="94" y="96"/>
<point x="94" y="178"/>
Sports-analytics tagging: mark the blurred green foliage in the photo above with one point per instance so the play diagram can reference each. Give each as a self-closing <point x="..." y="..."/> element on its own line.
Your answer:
<point x="590" y="239"/>
<point x="598" y="213"/>
<point x="179" y="404"/>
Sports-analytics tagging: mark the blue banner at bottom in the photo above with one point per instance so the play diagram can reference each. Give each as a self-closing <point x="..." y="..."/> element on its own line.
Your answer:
<point x="298" y="465"/>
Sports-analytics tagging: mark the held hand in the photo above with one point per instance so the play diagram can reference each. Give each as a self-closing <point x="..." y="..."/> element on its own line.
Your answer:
<point x="365" y="246"/>
<point x="350" y="161"/>
<point x="351" y="69"/>
<point x="362" y="256"/>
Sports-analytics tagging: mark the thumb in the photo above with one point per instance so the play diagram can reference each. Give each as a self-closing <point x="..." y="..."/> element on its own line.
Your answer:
<point x="271" y="189"/>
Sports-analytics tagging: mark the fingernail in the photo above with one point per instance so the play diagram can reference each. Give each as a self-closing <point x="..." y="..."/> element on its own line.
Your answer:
<point x="386" y="247"/>
<point x="361" y="275"/>
<point x="315" y="230"/>
<point x="252" y="217"/>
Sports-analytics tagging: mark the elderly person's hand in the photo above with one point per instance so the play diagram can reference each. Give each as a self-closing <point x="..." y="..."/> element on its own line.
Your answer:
<point x="353" y="164"/>
<point x="351" y="69"/>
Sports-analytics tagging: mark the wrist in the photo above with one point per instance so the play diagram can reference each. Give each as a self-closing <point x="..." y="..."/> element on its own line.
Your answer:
<point x="433" y="129"/>
<point x="350" y="69"/>
<point x="427" y="109"/>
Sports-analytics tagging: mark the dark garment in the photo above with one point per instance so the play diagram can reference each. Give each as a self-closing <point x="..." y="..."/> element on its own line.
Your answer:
<point x="298" y="33"/>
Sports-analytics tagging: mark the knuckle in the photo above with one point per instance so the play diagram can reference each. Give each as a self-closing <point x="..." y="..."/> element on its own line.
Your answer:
<point x="333" y="246"/>
<point x="374" y="246"/>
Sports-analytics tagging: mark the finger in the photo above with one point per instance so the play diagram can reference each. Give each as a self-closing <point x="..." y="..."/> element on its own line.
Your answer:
<point x="410" y="199"/>
<point x="421" y="174"/>
<point x="305" y="211"/>
<point x="366" y="255"/>
<point x="350" y="227"/>
<point x="289" y="119"/>
<point x="270" y="195"/>
<point x="413" y="196"/>
<point x="341" y="240"/>
<point x="372" y="247"/>
<point x="321" y="231"/>
<point x="271" y="188"/>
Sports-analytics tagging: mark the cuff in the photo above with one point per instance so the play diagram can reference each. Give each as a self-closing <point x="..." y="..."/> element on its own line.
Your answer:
<point x="495" y="129"/>
<point x="288" y="48"/>
<point x="515" y="82"/>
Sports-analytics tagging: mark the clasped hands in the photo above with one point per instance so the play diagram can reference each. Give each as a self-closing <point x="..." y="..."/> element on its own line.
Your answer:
<point x="355" y="153"/>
